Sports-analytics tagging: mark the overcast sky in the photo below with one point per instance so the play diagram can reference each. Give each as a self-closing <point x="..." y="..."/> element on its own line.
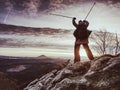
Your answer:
<point x="36" y="13"/>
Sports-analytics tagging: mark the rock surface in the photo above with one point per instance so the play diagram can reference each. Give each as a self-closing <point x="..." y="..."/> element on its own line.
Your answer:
<point x="101" y="74"/>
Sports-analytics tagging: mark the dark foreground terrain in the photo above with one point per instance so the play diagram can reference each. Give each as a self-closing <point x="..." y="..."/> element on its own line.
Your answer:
<point x="17" y="72"/>
<point x="101" y="74"/>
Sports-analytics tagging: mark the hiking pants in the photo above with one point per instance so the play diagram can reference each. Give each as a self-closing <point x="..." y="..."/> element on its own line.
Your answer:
<point x="77" y="54"/>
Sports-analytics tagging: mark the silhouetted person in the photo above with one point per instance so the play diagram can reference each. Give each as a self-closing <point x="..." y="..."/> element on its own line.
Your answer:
<point x="81" y="35"/>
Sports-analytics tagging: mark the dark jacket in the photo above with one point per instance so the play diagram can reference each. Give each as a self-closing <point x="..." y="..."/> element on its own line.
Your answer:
<point x="81" y="32"/>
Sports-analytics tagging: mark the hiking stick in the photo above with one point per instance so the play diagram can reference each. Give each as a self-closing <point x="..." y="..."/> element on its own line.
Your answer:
<point x="60" y="15"/>
<point x="90" y="10"/>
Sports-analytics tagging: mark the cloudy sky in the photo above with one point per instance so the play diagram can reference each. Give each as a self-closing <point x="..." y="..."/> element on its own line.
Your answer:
<point x="36" y="13"/>
<point x="31" y="42"/>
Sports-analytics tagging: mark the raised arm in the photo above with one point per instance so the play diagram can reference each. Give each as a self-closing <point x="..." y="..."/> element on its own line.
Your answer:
<point x="74" y="23"/>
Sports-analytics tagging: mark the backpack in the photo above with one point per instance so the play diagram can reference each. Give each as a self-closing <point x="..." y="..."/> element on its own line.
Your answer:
<point x="81" y="33"/>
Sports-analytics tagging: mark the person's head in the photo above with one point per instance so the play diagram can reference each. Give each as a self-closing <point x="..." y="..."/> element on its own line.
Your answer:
<point x="80" y="22"/>
<point x="86" y="23"/>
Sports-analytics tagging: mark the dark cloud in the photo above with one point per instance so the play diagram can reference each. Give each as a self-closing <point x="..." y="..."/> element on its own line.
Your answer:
<point x="11" y="29"/>
<point x="11" y="42"/>
<point x="17" y="4"/>
<point x="3" y="41"/>
<point x="115" y="1"/>
<point x="32" y="41"/>
<point x="45" y="4"/>
<point x="35" y="6"/>
<point x="17" y="36"/>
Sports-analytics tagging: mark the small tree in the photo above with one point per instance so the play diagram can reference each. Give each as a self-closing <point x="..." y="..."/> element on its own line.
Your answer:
<point x="103" y="42"/>
<point x="117" y="44"/>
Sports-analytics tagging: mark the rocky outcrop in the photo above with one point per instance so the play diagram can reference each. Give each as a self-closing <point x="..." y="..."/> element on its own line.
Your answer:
<point x="101" y="74"/>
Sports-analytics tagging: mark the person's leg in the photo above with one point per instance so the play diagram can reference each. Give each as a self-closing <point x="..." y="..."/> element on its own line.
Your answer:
<point x="88" y="51"/>
<point x="76" y="53"/>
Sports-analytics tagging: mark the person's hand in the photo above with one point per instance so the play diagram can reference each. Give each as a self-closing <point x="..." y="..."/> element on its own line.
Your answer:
<point x="74" y="18"/>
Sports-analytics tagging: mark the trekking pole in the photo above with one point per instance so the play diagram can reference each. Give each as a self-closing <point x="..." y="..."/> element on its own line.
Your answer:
<point x="90" y="10"/>
<point x="60" y="15"/>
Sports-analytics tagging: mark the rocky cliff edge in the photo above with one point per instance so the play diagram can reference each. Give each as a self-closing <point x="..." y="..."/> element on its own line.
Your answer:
<point x="101" y="74"/>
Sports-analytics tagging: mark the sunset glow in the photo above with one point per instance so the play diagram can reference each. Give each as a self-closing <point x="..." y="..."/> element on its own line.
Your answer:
<point x="104" y="16"/>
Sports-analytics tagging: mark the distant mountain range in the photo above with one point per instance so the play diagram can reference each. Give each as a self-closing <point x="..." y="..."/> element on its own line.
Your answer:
<point x="19" y="71"/>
